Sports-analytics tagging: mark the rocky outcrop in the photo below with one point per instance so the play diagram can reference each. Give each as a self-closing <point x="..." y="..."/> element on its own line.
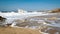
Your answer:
<point x="2" y="19"/>
<point x="55" y="11"/>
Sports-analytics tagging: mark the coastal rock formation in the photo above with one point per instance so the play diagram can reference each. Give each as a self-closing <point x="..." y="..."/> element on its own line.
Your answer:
<point x="55" y="11"/>
<point x="2" y="19"/>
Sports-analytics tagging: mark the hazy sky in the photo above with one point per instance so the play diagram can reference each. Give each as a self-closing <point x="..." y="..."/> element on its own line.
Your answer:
<point x="29" y="4"/>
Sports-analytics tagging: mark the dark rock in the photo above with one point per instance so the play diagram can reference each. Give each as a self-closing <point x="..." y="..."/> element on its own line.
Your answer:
<point x="56" y="10"/>
<point x="2" y="19"/>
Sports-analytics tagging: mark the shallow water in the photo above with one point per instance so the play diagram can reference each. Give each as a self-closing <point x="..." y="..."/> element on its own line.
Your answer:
<point x="35" y="23"/>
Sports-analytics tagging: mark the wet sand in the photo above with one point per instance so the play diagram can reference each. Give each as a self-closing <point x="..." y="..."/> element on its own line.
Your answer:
<point x="10" y="30"/>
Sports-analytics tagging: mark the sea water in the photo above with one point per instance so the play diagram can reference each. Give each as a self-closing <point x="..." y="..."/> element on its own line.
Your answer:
<point x="16" y="16"/>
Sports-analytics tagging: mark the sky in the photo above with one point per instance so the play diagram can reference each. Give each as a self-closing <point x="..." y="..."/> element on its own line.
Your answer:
<point x="29" y="4"/>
